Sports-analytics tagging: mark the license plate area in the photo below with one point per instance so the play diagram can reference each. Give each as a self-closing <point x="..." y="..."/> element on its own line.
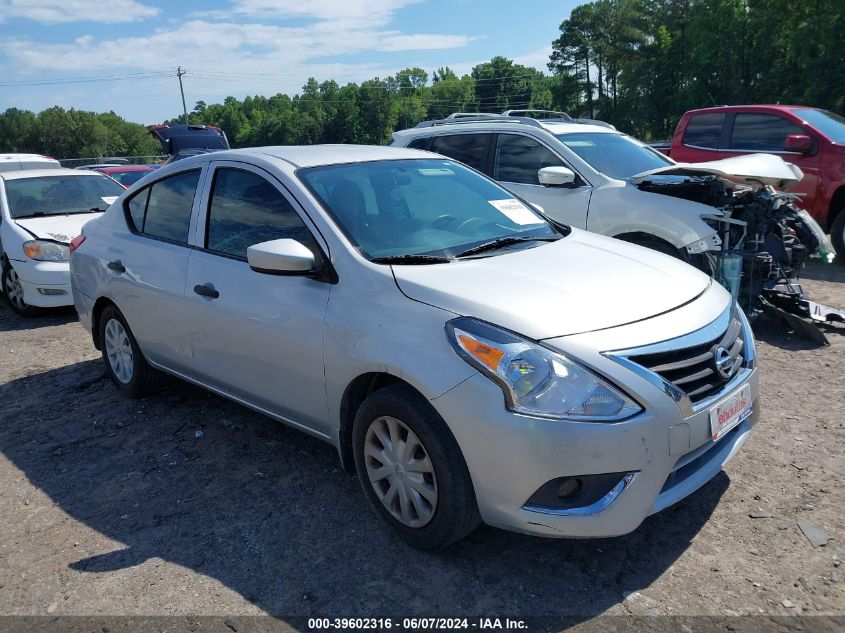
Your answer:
<point x="729" y="412"/>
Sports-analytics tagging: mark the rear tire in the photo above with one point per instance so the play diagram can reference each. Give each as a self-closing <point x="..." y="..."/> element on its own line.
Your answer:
<point x="837" y="235"/>
<point x="13" y="291"/>
<point x="125" y="364"/>
<point x="411" y="469"/>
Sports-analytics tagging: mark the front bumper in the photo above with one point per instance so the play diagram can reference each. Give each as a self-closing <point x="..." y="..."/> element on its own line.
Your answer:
<point x="510" y="456"/>
<point x="45" y="284"/>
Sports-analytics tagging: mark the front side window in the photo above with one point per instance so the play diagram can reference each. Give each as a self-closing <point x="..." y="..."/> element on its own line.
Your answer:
<point x="429" y="207"/>
<point x="60" y="195"/>
<point x="614" y="155"/>
<point x="470" y="149"/>
<point x="246" y="209"/>
<point x="519" y="158"/>
<point x="761" y="132"/>
<point x="704" y="130"/>
<point x="163" y="209"/>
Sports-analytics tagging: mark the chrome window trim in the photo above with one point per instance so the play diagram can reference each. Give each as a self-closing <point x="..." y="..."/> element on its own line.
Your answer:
<point x="594" y="508"/>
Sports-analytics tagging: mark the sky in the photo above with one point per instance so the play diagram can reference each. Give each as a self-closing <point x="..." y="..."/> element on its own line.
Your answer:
<point x="122" y="55"/>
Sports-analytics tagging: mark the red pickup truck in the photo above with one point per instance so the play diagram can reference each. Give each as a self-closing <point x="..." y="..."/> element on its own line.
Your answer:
<point x="811" y="138"/>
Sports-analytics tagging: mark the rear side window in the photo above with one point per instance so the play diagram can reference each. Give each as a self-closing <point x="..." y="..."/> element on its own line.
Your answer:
<point x="419" y="143"/>
<point x="704" y="130"/>
<point x="163" y="209"/>
<point x="470" y="149"/>
<point x="762" y="132"/>
<point x="519" y="158"/>
<point x="246" y="209"/>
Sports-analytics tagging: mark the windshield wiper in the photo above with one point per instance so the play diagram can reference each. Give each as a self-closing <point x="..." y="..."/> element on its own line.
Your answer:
<point x="501" y="242"/>
<point x="411" y="259"/>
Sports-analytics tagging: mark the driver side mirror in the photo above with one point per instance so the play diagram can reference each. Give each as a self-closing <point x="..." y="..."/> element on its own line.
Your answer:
<point x="556" y="176"/>
<point x="800" y="143"/>
<point x="281" y="257"/>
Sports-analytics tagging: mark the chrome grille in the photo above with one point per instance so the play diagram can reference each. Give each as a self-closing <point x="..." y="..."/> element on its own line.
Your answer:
<point x="702" y="370"/>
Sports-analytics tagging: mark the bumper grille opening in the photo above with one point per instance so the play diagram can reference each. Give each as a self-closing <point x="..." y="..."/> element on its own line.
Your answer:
<point x="702" y="370"/>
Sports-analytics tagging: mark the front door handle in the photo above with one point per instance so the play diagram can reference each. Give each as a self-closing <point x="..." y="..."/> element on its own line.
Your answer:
<point x="117" y="266"/>
<point x="206" y="290"/>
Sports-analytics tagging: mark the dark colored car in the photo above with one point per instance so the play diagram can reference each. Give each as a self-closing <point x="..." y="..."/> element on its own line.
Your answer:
<point x="811" y="138"/>
<point x="183" y="140"/>
<point x="126" y="174"/>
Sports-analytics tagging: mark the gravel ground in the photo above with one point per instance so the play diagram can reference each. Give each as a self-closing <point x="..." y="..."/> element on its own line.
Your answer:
<point x="187" y="504"/>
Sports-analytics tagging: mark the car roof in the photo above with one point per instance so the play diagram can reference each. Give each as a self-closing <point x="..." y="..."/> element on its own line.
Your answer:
<point x="113" y="168"/>
<point x="750" y="107"/>
<point x="500" y="125"/>
<point x="315" y="155"/>
<point x="35" y="173"/>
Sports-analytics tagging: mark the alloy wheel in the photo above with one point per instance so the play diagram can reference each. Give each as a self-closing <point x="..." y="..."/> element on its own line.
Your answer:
<point x="400" y="471"/>
<point x="119" y="351"/>
<point x="14" y="290"/>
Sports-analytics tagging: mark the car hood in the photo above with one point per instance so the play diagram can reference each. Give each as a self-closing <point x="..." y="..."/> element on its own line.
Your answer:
<point x="767" y="169"/>
<point x="581" y="283"/>
<point x="61" y="228"/>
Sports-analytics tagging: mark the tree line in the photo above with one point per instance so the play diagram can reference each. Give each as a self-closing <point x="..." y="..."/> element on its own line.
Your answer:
<point x="638" y="64"/>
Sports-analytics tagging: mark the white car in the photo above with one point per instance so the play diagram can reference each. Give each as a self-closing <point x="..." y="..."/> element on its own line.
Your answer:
<point x="591" y="176"/>
<point x="20" y="162"/>
<point x="41" y="211"/>
<point x="471" y="360"/>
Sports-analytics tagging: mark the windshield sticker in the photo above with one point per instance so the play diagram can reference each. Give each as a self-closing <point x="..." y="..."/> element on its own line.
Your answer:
<point x="108" y="199"/>
<point x="516" y="212"/>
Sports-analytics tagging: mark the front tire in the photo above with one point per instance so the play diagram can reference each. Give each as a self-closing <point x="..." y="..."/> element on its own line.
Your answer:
<point x="13" y="291"/>
<point x="412" y="470"/>
<point x="837" y="235"/>
<point x="125" y="364"/>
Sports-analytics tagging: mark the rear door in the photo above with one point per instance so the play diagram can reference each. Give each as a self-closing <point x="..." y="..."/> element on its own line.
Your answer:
<point x="701" y="138"/>
<point x="147" y="267"/>
<point x="517" y="159"/>
<point x="261" y="337"/>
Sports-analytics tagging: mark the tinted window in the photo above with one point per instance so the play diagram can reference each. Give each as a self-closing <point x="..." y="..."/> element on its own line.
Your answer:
<point x="761" y="132"/>
<point x="469" y="149"/>
<point x="704" y="130"/>
<point x="245" y="210"/>
<point x="518" y="158"/>
<point x="60" y="195"/>
<point x="420" y="143"/>
<point x="164" y="208"/>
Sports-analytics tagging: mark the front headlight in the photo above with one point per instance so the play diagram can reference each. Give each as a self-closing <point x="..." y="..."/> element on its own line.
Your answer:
<point x="46" y="251"/>
<point x="537" y="381"/>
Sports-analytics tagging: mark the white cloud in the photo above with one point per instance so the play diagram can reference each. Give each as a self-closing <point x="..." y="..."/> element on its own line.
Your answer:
<point x="55" y="11"/>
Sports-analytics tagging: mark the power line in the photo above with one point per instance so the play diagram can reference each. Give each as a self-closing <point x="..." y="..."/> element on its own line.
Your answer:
<point x="79" y="80"/>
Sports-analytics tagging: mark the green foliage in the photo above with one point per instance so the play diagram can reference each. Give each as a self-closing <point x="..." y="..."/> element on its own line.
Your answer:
<point x="73" y="133"/>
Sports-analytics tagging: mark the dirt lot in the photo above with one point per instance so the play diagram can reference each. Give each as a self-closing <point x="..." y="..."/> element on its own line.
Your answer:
<point x="185" y="503"/>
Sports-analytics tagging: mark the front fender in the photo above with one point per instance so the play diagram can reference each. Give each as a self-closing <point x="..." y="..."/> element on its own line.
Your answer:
<point x="617" y="210"/>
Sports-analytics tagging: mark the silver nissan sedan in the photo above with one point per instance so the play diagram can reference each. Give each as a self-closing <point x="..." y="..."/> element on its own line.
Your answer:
<point x="471" y="359"/>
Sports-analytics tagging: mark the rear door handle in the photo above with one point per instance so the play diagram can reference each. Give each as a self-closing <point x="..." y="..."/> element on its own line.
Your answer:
<point x="117" y="266"/>
<point x="206" y="290"/>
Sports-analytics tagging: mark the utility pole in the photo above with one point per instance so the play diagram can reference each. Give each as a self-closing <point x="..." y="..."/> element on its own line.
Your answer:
<point x="179" y="73"/>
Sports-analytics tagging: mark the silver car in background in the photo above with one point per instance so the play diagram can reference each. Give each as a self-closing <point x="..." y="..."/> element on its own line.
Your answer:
<point x="470" y="359"/>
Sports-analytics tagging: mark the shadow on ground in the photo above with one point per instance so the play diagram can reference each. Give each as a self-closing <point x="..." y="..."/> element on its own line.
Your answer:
<point x="268" y="512"/>
<point x="11" y="322"/>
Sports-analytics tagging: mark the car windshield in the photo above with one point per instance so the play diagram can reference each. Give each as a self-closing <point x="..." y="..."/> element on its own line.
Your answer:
<point x="830" y="124"/>
<point x="127" y="178"/>
<point x="59" y="195"/>
<point x="614" y="155"/>
<point x="422" y="210"/>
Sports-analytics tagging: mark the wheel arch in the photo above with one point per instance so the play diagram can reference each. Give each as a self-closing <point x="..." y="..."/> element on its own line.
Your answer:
<point x="99" y="305"/>
<point x="635" y="237"/>
<point x="837" y="206"/>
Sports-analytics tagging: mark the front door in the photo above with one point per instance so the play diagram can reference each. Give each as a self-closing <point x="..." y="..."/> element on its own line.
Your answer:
<point x="516" y="161"/>
<point x="256" y="336"/>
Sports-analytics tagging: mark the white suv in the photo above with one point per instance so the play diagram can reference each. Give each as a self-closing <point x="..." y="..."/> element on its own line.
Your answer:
<point x="580" y="172"/>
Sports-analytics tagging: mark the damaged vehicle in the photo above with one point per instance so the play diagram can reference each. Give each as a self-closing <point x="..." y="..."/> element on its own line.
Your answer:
<point x="41" y="211"/>
<point x="730" y="218"/>
<point x="181" y="140"/>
